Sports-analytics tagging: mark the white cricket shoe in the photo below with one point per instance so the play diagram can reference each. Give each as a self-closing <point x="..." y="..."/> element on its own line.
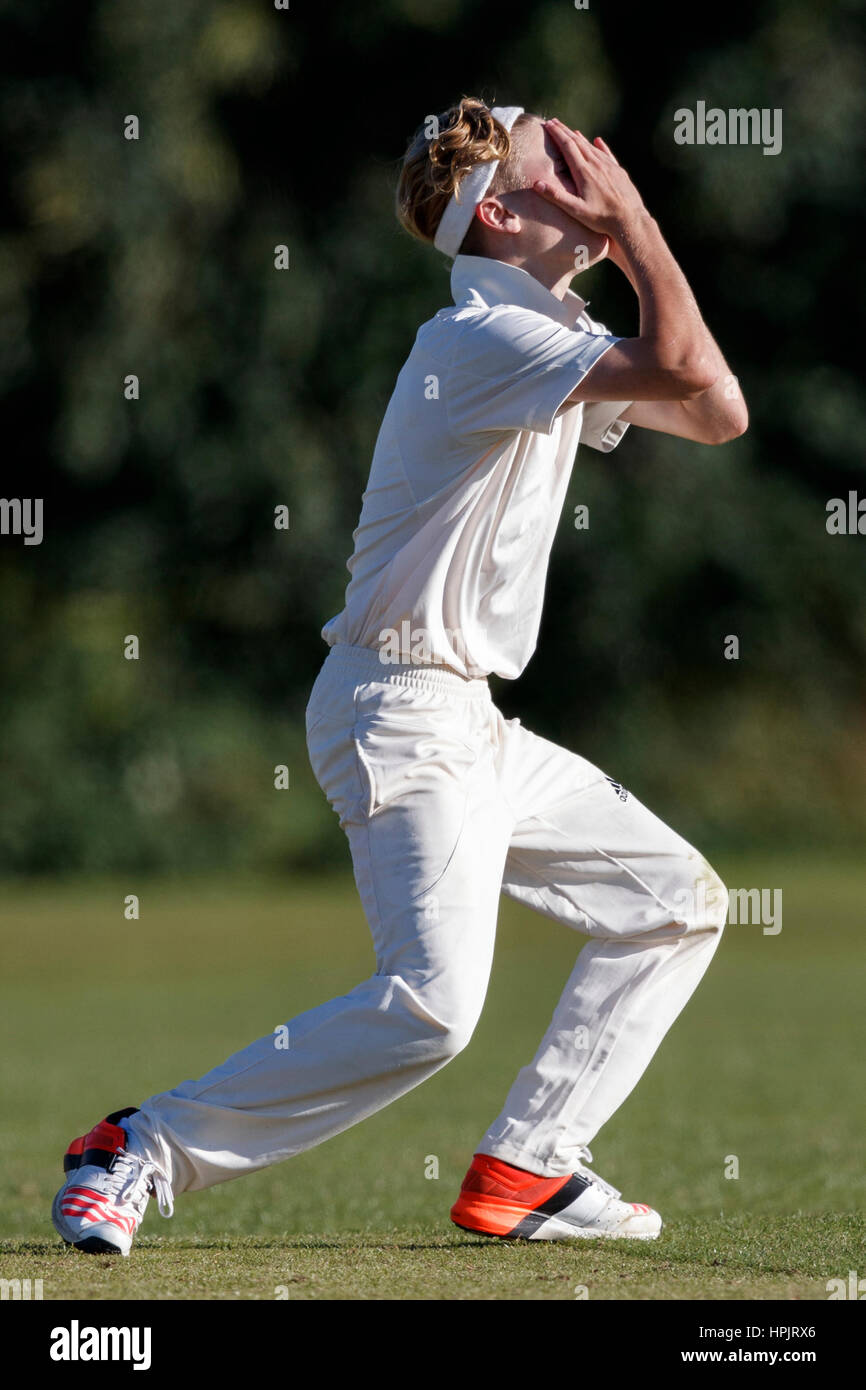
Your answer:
<point x="102" y="1201"/>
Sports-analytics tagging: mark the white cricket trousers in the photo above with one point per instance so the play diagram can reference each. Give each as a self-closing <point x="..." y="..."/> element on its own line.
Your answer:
<point x="446" y="804"/>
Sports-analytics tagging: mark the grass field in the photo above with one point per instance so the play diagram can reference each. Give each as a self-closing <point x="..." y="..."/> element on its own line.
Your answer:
<point x="765" y="1064"/>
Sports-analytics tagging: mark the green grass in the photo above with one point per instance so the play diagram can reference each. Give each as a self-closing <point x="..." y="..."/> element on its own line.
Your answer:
<point x="765" y="1064"/>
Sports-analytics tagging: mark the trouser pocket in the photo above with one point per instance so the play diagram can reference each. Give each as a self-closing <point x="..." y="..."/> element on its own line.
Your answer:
<point x="411" y="753"/>
<point x="416" y="756"/>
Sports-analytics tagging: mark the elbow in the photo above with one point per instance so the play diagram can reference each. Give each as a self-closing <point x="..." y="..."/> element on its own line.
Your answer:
<point x="732" y="426"/>
<point x="695" y="376"/>
<point x="689" y="374"/>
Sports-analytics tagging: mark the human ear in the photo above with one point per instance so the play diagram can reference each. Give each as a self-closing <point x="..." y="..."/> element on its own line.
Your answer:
<point x="494" y="214"/>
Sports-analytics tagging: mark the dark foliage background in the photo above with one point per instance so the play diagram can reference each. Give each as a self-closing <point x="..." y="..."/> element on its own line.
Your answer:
<point x="262" y="387"/>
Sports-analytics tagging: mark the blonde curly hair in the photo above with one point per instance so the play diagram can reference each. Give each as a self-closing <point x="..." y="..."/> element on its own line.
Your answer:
<point x="435" y="165"/>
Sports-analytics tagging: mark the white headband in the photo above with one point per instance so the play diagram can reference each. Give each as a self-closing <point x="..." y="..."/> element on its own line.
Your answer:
<point x="455" y="220"/>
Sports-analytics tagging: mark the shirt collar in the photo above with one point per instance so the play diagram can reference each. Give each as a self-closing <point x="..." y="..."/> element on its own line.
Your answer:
<point x="498" y="283"/>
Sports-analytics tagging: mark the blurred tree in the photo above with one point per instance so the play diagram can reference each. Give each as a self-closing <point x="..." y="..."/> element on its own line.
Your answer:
<point x="262" y="387"/>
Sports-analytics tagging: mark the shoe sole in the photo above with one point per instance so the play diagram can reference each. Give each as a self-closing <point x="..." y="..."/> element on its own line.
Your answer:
<point x="555" y="1229"/>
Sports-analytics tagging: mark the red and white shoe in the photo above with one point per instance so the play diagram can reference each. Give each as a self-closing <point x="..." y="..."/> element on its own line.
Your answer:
<point x="497" y="1199"/>
<point x="100" y="1206"/>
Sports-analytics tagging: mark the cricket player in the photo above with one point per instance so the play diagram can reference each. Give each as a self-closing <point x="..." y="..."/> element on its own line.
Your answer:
<point x="444" y="802"/>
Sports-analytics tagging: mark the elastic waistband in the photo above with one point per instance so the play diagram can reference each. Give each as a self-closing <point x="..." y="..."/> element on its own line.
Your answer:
<point x="366" y="664"/>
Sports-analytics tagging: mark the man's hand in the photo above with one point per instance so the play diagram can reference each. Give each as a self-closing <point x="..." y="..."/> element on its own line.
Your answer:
<point x="717" y="415"/>
<point x="606" y="199"/>
<point x="674" y="361"/>
<point x="614" y="252"/>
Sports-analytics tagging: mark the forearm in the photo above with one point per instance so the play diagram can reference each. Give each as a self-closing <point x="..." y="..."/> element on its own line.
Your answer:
<point x="674" y="360"/>
<point x="670" y="319"/>
<point x="715" y="416"/>
<point x="720" y="413"/>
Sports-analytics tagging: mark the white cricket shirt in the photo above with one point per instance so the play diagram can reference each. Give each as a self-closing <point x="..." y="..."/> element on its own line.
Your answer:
<point x="469" y="475"/>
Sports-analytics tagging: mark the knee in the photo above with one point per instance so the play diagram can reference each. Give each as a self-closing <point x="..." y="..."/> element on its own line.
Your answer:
<point x="454" y="1035"/>
<point x="717" y="900"/>
<point x="702" y="900"/>
<point x="438" y="1016"/>
<point x="450" y="1027"/>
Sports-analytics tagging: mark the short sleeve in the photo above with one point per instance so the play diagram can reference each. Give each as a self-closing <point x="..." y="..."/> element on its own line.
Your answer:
<point x="602" y="427"/>
<point x="512" y="369"/>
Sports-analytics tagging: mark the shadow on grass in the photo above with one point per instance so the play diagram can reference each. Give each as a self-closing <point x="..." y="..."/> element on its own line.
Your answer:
<point x="234" y="1244"/>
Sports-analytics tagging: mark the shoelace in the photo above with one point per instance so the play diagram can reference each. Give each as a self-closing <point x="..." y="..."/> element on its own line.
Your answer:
<point x="132" y="1179"/>
<point x="583" y="1152"/>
